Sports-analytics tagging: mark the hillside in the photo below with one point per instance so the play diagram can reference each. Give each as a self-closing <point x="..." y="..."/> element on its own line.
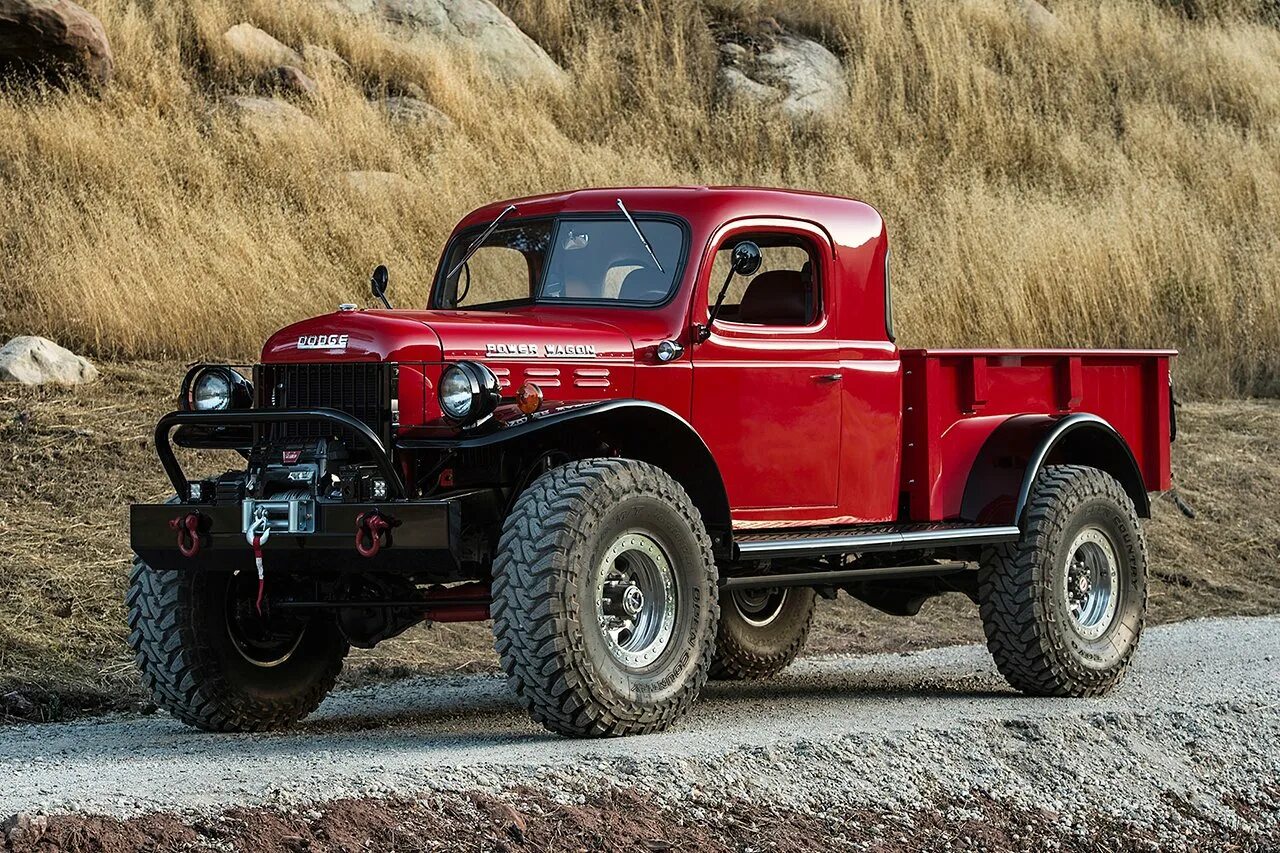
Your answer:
<point x="1104" y="174"/>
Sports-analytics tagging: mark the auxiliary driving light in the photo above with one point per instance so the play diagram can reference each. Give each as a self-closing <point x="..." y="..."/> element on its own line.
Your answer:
<point x="468" y="392"/>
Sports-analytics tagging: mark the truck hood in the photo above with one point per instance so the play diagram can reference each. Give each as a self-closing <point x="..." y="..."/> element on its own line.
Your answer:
<point x="431" y="336"/>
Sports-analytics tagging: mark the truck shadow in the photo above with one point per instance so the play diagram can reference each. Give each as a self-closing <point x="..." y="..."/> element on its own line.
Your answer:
<point x="483" y="708"/>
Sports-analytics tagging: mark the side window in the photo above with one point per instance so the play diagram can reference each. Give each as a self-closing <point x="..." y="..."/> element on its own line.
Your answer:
<point x="783" y="292"/>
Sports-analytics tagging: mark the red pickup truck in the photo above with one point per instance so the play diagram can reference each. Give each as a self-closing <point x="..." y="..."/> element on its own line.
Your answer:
<point x="642" y="430"/>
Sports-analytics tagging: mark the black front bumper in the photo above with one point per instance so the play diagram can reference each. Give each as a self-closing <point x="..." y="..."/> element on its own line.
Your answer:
<point x="426" y="536"/>
<point x="425" y="540"/>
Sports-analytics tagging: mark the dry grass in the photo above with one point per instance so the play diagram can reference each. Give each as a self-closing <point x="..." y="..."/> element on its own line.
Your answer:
<point x="71" y="461"/>
<point x="1114" y="182"/>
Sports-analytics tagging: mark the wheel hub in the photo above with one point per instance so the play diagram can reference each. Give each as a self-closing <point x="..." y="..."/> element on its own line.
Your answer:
<point x="262" y="641"/>
<point x="1092" y="587"/>
<point x="633" y="601"/>
<point x="759" y="607"/>
<point x="636" y="600"/>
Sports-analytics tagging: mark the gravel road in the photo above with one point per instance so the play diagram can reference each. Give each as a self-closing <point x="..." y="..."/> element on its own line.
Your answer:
<point x="1193" y="733"/>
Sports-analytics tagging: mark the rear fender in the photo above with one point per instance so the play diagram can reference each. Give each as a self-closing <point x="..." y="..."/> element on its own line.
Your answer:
<point x="999" y="484"/>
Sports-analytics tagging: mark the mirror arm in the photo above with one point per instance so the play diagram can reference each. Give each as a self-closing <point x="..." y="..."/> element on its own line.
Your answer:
<point x="704" y="332"/>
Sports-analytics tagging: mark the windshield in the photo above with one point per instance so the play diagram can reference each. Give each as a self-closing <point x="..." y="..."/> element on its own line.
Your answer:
<point x="570" y="260"/>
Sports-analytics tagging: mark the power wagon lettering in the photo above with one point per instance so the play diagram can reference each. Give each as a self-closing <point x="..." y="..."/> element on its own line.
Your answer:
<point x="548" y="350"/>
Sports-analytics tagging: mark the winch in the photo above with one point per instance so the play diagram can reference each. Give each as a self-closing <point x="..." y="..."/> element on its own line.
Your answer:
<point x="292" y="511"/>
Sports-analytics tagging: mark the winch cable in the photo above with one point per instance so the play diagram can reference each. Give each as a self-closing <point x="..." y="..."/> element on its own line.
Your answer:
<point x="257" y="535"/>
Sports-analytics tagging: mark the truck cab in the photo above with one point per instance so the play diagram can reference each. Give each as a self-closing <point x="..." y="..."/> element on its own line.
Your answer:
<point x="644" y="430"/>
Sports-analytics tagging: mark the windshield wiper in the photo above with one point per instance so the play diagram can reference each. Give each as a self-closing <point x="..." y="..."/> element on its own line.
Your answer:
<point x="476" y="243"/>
<point x="640" y="234"/>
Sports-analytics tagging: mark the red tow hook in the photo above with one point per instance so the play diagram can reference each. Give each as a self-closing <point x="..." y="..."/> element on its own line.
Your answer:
<point x="369" y="529"/>
<point x="189" y="536"/>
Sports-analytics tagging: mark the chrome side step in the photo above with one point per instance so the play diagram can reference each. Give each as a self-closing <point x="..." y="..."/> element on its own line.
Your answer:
<point x="774" y="545"/>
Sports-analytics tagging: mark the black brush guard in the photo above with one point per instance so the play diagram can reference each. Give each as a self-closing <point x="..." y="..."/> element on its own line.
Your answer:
<point x="425" y="535"/>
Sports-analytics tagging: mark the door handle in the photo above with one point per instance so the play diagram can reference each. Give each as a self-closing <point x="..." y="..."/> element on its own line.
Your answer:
<point x="828" y="377"/>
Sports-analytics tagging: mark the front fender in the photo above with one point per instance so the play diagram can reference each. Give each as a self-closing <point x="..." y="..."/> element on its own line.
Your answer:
<point x="637" y="429"/>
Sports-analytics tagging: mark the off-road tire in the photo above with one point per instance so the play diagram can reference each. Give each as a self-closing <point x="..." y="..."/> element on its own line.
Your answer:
<point x="1029" y="627"/>
<point x="192" y="669"/>
<point x="544" y="613"/>
<point x="748" y="651"/>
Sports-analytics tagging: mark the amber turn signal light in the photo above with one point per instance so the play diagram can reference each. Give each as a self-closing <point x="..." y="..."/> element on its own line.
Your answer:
<point x="529" y="398"/>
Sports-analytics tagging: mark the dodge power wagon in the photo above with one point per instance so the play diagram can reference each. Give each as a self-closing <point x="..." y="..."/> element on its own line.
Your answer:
<point x="642" y="431"/>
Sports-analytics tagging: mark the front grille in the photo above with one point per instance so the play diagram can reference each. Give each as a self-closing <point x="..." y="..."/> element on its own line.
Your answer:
<point x="361" y="389"/>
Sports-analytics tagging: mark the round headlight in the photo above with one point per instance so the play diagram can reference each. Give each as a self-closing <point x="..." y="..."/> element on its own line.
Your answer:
<point x="211" y="391"/>
<point x="468" y="391"/>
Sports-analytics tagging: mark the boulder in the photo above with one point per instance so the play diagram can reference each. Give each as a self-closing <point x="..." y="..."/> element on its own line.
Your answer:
<point x="1038" y="18"/>
<point x="405" y="110"/>
<point x="289" y="79"/>
<point x="269" y="117"/>
<point x="30" y="360"/>
<point x="258" y="48"/>
<point x="54" y="39"/>
<point x="800" y="75"/>
<point x="738" y="88"/>
<point x="319" y="57"/>
<point x="474" y="24"/>
<point x="23" y="830"/>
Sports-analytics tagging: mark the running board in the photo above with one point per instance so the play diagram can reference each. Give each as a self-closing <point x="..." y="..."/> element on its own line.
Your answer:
<point x="774" y="544"/>
<point x="839" y="576"/>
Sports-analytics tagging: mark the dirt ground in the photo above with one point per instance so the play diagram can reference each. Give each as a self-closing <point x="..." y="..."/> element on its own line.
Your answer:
<point x="620" y="819"/>
<point x="71" y="460"/>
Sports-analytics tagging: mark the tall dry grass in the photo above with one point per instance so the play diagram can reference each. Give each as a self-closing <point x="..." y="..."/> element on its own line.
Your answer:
<point x="1114" y="182"/>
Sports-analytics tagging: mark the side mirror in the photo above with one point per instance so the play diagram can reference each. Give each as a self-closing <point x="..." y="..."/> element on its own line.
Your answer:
<point x="744" y="261"/>
<point x="746" y="258"/>
<point x="378" y="284"/>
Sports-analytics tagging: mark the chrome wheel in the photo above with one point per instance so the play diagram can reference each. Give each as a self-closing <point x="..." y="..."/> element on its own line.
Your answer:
<point x="759" y="607"/>
<point x="1092" y="588"/>
<point x="636" y="600"/>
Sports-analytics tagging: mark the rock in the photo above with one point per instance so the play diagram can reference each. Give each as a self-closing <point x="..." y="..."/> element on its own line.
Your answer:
<point x="1038" y="18"/>
<point x="258" y="48"/>
<point x="288" y="78"/>
<point x="402" y="109"/>
<point x="474" y="24"/>
<point x="738" y="88"/>
<point x="805" y="78"/>
<point x="269" y="117"/>
<point x="317" y="57"/>
<point x="37" y="361"/>
<point x="413" y="90"/>
<point x="24" y="829"/>
<point x="17" y="704"/>
<point x="55" y="39"/>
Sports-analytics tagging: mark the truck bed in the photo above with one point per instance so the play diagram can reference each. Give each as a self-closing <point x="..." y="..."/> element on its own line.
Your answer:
<point x="954" y="398"/>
